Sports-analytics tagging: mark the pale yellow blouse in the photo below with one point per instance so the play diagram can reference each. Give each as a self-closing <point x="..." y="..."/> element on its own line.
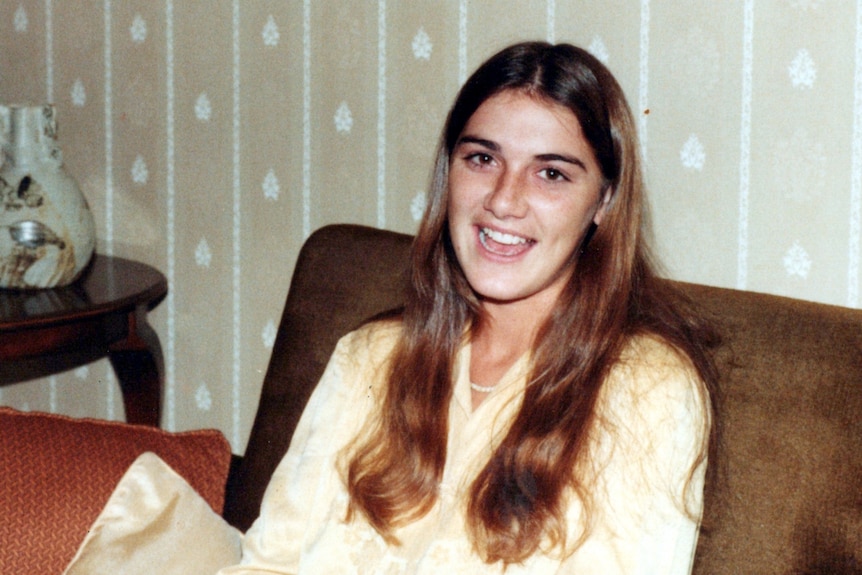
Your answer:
<point x="652" y="424"/>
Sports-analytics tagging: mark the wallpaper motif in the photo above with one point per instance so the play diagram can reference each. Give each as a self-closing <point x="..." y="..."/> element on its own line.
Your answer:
<point x="211" y="138"/>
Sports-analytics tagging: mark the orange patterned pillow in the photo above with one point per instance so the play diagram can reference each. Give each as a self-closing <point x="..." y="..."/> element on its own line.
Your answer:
<point x="58" y="473"/>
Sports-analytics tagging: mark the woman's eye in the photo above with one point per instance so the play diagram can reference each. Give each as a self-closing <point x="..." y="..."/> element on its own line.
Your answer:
<point x="554" y="175"/>
<point x="480" y="158"/>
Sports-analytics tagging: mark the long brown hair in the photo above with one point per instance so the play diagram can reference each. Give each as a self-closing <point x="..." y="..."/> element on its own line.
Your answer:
<point x="517" y="501"/>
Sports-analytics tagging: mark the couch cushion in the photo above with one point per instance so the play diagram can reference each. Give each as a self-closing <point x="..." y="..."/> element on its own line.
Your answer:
<point x="58" y="473"/>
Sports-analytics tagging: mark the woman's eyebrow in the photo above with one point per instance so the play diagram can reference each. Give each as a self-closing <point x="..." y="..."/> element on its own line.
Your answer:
<point x="493" y="146"/>
<point x="561" y="158"/>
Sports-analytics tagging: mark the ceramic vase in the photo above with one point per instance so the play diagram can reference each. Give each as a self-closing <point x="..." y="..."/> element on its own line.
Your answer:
<point x="47" y="231"/>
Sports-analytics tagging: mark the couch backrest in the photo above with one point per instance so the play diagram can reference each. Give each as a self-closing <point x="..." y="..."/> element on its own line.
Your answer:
<point x="344" y="274"/>
<point x="788" y="498"/>
<point x="789" y="494"/>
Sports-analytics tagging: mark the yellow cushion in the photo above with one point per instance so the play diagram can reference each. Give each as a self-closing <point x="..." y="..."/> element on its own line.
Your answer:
<point x="155" y="523"/>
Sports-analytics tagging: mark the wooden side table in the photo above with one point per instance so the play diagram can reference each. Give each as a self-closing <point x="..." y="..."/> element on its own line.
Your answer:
<point x="104" y="313"/>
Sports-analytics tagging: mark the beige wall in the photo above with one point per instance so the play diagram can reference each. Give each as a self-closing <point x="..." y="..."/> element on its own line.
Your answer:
<point x="210" y="138"/>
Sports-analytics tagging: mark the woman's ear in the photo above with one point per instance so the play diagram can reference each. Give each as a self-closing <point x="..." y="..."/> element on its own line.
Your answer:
<point x="603" y="205"/>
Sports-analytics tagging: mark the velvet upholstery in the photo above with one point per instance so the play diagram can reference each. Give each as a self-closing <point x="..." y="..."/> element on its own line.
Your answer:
<point x="788" y="495"/>
<point x="343" y="275"/>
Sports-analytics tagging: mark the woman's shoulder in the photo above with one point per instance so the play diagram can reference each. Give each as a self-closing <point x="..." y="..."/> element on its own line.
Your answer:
<point x="652" y="372"/>
<point x="372" y="338"/>
<point x="649" y="353"/>
<point x="368" y="346"/>
<point x="357" y="367"/>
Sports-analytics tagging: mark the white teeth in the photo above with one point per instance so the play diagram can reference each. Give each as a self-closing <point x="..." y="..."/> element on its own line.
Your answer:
<point x="501" y="238"/>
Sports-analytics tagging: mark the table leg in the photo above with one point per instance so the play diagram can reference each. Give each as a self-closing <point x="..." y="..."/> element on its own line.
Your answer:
<point x="139" y="366"/>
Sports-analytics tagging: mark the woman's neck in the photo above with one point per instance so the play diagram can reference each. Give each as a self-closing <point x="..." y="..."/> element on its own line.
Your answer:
<point x="500" y="338"/>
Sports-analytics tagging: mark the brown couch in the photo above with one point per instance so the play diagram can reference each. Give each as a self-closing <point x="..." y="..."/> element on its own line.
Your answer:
<point x="788" y="499"/>
<point x="789" y="495"/>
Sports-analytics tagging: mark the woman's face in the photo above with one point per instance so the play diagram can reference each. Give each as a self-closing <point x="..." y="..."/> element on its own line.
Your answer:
<point x="524" y="186"/>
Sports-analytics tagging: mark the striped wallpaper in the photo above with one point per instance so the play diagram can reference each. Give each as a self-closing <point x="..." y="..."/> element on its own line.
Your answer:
<point x="212" y="137"/>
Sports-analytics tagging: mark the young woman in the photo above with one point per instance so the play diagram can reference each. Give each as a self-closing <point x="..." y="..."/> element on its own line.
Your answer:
<point x="542" y="404"/>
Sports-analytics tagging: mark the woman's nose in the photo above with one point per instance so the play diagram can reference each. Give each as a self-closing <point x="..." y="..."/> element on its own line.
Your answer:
<point x="507" y="198"/>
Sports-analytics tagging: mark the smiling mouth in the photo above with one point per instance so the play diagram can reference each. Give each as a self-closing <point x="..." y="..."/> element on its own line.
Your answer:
<point x="503" y="244"/>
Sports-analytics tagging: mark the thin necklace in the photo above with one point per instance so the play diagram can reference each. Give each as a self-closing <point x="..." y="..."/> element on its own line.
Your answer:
<point x="481" y="388"/>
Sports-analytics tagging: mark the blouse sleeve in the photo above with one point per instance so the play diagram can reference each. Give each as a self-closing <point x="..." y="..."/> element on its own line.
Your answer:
<point x="647" y="468"/>
<point x="304" y="484"/>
